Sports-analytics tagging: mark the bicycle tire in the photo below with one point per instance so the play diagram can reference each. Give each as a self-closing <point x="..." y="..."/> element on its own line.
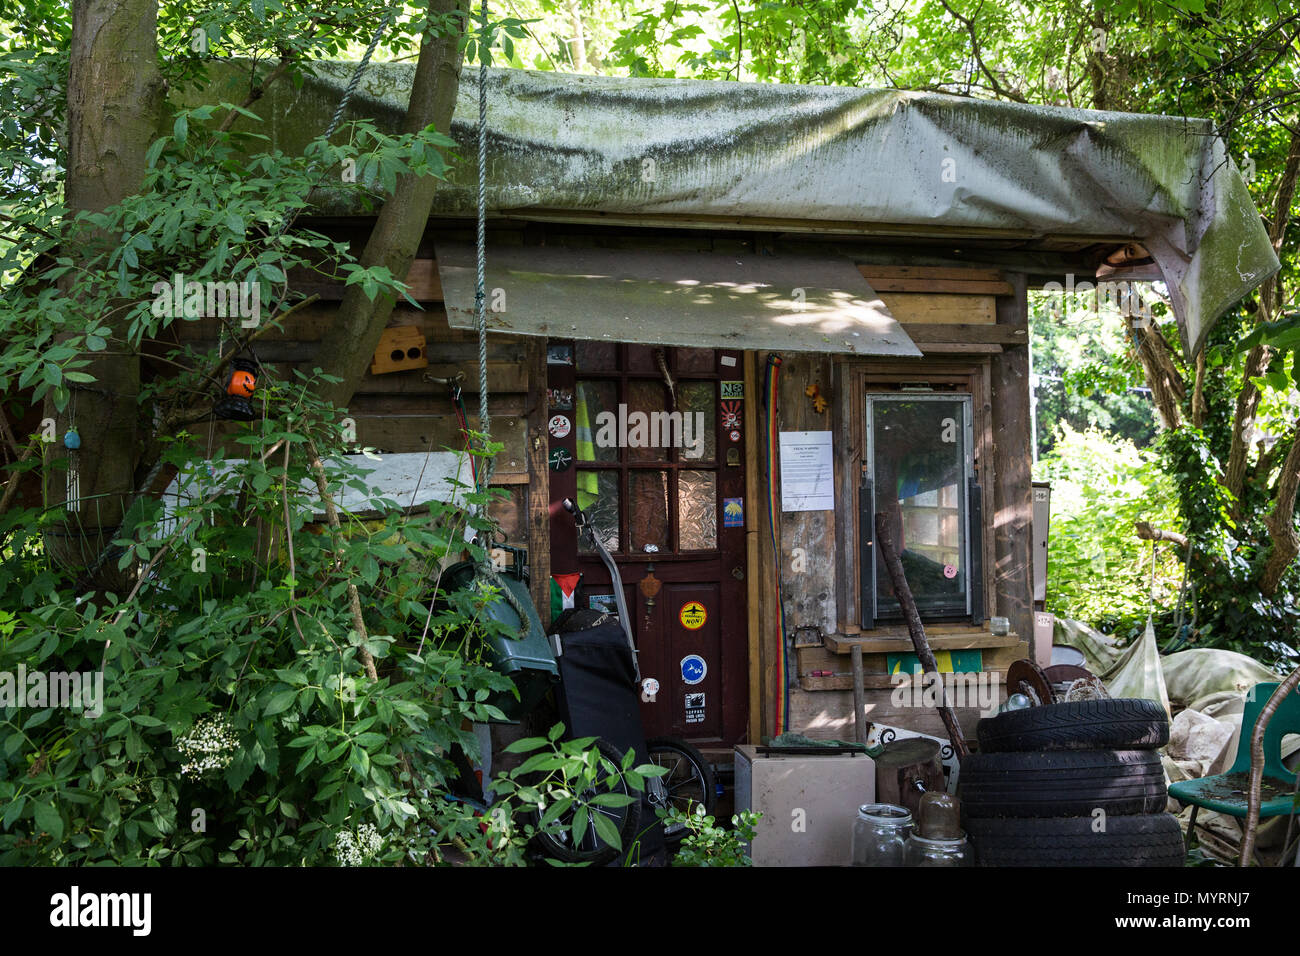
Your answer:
<point x="591" y="849"/>
<point x="689" y="779"/>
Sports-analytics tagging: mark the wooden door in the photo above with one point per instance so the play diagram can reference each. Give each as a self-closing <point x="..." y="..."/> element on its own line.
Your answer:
<point x="667" y="495"/>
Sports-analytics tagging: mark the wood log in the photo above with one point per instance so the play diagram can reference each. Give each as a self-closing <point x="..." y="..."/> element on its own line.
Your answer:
<point x="885" y="542"/>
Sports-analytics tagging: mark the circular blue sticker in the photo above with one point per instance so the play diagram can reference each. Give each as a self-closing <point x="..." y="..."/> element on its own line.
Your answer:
<point x="693" y="668"/>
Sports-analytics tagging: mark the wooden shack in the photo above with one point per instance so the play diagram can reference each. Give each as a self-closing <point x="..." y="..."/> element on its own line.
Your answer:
<point x="822" y="278"/>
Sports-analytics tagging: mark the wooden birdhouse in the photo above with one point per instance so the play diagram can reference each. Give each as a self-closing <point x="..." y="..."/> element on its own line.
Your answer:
<point x="401" y="348"/>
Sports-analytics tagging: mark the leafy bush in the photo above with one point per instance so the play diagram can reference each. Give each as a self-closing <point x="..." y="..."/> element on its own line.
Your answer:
<point x="254" y="710"/>
<point x="1099" y="571"/>
<point x="706" y="843"/>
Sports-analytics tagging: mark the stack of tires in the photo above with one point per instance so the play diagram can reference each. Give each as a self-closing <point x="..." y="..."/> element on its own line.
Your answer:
<point x="1075" y="784"/>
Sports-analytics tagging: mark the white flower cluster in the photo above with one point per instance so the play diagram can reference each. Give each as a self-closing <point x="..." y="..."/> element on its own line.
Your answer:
<point x="355" y="849"/>
<point x="209" y="746"/>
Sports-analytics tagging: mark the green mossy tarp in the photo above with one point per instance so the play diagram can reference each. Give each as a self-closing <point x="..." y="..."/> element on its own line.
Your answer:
<point x="818" y="157"/>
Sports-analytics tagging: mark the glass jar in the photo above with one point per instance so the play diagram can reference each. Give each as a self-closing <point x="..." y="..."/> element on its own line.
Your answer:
<point x="879" y="834"/>
<point x="920" y="851"/>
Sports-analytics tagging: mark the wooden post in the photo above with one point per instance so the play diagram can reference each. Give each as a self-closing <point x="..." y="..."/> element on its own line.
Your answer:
<point x="885" y="542"/>
<point x="754" y="566"/>
<point x="539" y="478"/>
<point x="859" y="695"/>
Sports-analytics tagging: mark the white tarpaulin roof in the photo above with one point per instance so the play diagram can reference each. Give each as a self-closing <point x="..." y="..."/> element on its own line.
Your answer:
<point x="615" y="149"/>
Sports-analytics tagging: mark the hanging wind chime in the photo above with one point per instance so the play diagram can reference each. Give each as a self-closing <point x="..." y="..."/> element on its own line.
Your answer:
<point x="72" y="442"/>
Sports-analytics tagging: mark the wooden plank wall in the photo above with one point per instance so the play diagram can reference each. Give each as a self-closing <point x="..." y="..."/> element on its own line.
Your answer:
<point x="405" y="411"/>
<point x="988" y="317"/>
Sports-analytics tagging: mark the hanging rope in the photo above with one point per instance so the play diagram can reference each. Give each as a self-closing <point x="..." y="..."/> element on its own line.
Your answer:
<point x="480" y="278"/>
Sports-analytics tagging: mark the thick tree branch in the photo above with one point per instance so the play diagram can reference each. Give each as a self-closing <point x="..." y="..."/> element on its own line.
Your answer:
<point x="994" y="84"/>
<point x="350" y="341"/>
<point x="1270" y="298"/>
<point x="1281" y="521"/>
<point x="354" y="598"/>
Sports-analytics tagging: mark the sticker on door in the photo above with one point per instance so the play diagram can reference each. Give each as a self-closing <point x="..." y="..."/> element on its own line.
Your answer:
<point x="694" y="668"/>
<point x="695" y="708"/>
<point x="692" y="615"/>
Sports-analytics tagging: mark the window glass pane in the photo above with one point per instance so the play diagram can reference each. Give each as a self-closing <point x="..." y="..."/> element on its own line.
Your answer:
<point x="642" y="358"/>
<point x="647" y="408"/>
<point x="591" y="399"/>
<point x="598" y="498"/>
<point x="596" y="356"/>
<point x="696" y="402"/>
<point x="695" y="361"/>
<point x="697" y="510"/>
<point x="647" y="511"/>
<point x="919" y="466"/>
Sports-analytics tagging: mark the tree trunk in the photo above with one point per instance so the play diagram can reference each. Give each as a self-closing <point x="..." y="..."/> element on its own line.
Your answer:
<point x="349" y="344"/>
<point x="114" y="96"/>
<point x="1258" y="360"/>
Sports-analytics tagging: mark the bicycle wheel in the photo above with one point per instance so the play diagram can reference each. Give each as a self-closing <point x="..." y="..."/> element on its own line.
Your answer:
<point x="688" y="781"/>
<point x="589" y="847"/>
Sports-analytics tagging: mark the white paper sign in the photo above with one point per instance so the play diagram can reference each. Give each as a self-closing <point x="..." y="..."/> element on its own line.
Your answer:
<point x="807" y="472"/>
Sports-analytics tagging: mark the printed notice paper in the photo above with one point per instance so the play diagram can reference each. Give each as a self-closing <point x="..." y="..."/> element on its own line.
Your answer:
<point x="807" y="472"/>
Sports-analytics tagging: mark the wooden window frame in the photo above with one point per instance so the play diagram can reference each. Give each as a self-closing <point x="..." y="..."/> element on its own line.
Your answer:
<point x="852" y="379"/>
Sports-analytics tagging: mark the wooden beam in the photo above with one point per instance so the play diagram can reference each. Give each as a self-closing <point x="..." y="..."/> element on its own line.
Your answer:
<point x="955" y="286"/>
<point x="539" y="495"/>
<point x="1011" y="496"/>
<point x="960" y="348"/>
<point x="843" y="644"/>
<point x="941" y="308"/>
<point x="753" y="564"/>
<point x="875" y="681"/>
<point x="872" y="272"/>
<point x="923" y="333"/>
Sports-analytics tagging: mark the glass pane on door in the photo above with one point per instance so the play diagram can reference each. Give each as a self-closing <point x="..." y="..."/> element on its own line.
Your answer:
<point x="647" y="511"/>
<point x="696" y="399"/>
<point x="591" y="400"/>
<point x="697" y="510"/>
<point x="919" y="467"/>
<point x="598" y="498"/>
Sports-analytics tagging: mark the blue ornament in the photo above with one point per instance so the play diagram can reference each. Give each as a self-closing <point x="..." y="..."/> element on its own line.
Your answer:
<point x="72" y="440"/>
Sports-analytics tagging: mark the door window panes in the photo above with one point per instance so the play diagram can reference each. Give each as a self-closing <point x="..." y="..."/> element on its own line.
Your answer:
<point x="920" y="460"/>
<point x="590" y="400"/>
<point x="598" y="498"/>
<point x="697" y="510"/>
<point x="696" y="401"/>
<point x="647" y="512"/>
<point x="649" y="431"/>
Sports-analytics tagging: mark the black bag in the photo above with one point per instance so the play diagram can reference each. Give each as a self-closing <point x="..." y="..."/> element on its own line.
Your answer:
<point x="599" y="697"/>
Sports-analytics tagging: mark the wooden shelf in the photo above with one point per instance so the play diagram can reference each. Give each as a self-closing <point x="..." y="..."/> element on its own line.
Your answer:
<point x="895" y="639"/>
<point x="871" y="681"/>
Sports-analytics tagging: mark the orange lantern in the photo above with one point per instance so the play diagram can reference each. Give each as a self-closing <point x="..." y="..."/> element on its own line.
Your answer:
<point x="240" y="386"/>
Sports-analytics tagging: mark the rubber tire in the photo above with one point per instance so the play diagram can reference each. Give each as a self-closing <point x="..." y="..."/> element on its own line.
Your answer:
<point x="1122" y="724"/>
<point x="1146" y="840"/>
<point x="602" y="853"/>
<point x="1067" y="783"/>
<point x="700" y="771"/>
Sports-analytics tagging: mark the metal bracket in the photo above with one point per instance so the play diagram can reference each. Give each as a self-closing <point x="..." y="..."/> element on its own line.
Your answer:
<point x="818" y="639"/>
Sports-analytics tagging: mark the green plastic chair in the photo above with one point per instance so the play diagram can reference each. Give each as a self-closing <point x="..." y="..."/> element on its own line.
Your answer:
<point x="1226" y="792"/>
